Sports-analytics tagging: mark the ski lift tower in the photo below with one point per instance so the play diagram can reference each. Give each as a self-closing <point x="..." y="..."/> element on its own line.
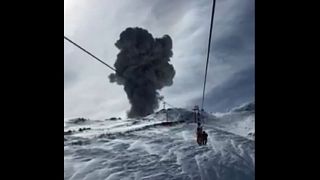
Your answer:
<point x="164" y="107"/>
<point x="196" y="113"/>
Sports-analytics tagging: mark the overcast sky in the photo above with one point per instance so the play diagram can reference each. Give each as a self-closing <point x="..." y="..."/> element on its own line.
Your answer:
<point x="97" y="24"/>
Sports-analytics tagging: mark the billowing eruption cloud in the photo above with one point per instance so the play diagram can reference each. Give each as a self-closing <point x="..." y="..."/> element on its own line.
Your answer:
<point x="142" y="66"/>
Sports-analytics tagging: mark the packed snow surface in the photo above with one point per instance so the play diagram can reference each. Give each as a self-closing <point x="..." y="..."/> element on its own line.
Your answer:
<point x="151" y="149"/>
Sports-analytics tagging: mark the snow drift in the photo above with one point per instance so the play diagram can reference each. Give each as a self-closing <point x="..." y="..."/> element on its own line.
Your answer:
<point x="152" y="148"/>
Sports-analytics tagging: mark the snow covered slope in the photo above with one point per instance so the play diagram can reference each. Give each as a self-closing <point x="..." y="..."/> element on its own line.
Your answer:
<point x="152" y="149"/>
<point x="239" y="121"/>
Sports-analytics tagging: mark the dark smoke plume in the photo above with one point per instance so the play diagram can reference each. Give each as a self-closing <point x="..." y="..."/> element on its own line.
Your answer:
<point x="142" y="66"/>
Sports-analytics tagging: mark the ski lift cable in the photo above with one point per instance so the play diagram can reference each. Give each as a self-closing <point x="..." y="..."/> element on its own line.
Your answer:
<point x="89" y="53"/>
<point x="168" y="104"/>
<point x="208" y="54"/>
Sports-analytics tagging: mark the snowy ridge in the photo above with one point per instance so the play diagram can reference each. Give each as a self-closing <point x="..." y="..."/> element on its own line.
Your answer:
<point x="249" y="107"/>
<point x="239" y="120"/>
<point x="152" y="149"/>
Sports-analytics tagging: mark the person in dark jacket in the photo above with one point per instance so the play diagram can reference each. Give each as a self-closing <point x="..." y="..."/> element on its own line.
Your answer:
<point x="199" y="134"/>
<point x="205" y="138"/>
